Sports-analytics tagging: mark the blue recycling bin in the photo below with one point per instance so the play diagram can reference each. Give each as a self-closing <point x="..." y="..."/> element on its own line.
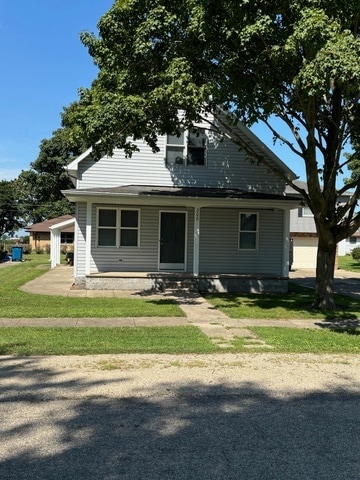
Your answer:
<point x="17" y="254"/>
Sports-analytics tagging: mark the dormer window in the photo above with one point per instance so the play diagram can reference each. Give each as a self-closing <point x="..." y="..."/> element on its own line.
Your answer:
<point x="187" y="149"/>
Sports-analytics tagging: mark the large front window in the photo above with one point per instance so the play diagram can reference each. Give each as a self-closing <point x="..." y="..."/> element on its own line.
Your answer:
<point x="248" y="231"/>
<point x="117" y="227"/>
<point x="187" y="149"/>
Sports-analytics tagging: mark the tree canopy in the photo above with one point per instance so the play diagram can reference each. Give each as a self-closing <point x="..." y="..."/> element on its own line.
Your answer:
<point x="292" y="60"/>
<point x="39" y="189"/>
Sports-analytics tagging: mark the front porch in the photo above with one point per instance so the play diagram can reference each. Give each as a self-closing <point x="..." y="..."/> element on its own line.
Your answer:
<point x="204" y="283"/>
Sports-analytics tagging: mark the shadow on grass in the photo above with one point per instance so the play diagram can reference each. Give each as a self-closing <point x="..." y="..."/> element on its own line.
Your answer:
<point x="56" y="426"/>
<point x="298" y="300"/>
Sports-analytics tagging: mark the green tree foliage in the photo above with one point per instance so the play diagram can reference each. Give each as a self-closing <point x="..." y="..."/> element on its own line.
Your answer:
<point x="40" y="187"/>
<point x="10" y="214"/>
<point x="355" y="253"/>
<point x="296" y="61"/>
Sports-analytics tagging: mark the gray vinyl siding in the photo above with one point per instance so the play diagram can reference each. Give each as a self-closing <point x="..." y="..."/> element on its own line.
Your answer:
<point x="300" y="223"/>
<point x="219" y="251"/>
<point x="142" y="259"/>
<point x="226" y="167"/>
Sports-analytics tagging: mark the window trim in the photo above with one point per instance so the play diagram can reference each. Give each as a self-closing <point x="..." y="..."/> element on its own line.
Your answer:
<point x="118" y="227"/>
<point x="256" y="248"/>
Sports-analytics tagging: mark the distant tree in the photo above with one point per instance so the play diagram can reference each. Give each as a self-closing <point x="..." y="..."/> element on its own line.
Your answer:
<point x="10" y="213"/>
<point x="294" y="61"/>
<point x="39" y="188"/>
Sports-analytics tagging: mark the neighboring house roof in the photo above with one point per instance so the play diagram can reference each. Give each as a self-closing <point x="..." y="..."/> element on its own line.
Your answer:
<point x="299" y="183"/>
<point x="45" y="226"/>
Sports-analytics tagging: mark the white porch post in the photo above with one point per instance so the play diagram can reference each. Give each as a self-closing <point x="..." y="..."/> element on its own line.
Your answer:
<point x="55" y="247"/>
<point x="196" y="241"/>
<point x="286" y="243"/>
<point x="88" y="239"/>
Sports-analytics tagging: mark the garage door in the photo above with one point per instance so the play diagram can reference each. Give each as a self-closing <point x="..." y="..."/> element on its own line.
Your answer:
<point x="305" y="251"/>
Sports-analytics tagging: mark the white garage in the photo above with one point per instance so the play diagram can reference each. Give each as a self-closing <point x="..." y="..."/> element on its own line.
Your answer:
<point x="305" y="251"/>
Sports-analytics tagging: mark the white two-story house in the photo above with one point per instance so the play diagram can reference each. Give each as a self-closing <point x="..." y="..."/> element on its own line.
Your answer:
<point x="197" y="211"/>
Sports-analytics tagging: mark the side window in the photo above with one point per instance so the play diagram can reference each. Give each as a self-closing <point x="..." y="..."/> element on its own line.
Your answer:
<point x="187" y="149"/>
<point x="118" y="227"/>
<point x="248" y="231"/>
<point x="306" y="212"/>
<point x="129" y="228"/>
<point x="106" y="234"/>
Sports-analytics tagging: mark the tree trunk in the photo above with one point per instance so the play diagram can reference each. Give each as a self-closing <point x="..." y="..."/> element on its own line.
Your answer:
<point x="324" y="291"/>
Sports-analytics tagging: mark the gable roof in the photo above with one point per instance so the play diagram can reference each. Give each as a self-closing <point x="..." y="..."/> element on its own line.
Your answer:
<point x="45" y="226"/>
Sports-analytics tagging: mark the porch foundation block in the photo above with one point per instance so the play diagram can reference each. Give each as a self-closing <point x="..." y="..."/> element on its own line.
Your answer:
<point x="203" y="283"/>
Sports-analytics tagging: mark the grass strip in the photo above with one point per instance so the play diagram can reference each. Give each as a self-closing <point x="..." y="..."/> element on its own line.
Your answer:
<point x="25" y="341"/>
<point x="346" y="262"/>
<point x="296" y="340"/>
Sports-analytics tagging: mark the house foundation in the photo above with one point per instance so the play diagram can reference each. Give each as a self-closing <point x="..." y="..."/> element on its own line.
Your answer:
<point x="209" y="283"/>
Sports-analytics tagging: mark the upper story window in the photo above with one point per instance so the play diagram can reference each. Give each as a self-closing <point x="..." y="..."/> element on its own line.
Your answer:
<point x="248" y="231"/>
<point x="306" y="212"/>
<point x="117" y="227"/>
<point x="187" y="149"/>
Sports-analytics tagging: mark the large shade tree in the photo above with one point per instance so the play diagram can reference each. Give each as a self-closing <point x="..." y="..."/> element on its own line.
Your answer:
<point x="293" y="61"/>
<point x="39" y="188"/>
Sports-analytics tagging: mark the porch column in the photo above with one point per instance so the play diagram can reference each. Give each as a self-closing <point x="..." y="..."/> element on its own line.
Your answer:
<point x="196" y="241"/>
<point x="88" y="239"/>
<point x="54" y="248"/>
<point x="286" y="244"/>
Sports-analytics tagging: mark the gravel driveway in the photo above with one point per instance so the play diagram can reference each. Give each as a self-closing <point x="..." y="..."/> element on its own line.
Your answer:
<point x="228" y="416"/>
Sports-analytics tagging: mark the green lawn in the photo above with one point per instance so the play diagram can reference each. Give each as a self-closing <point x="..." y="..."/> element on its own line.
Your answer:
<point x="172" y="340"/>
<point x="296" y="304"/>
<point x="17" y="304"/>
<point x="348" y="263"/>
<point x="293" y="340"/>
<point x="94" y="340"/>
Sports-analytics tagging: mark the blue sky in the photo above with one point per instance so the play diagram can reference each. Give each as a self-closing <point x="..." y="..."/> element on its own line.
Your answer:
<point x="43" y="65"/>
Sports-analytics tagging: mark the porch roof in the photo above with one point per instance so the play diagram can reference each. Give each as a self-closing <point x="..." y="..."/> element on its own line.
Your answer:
<point x="153" y="191"/>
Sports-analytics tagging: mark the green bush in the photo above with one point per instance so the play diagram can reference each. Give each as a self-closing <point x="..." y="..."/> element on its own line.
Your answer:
<point x="355" y="253"/>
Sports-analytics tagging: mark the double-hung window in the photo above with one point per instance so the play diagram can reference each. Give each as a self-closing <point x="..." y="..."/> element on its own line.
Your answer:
<point x="187" y="149"/>
<point x="248" y="231"/>
<point x="118" y="227"/>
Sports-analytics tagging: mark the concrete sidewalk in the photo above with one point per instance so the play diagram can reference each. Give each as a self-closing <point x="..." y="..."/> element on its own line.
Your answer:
<point x="215" y="324"/>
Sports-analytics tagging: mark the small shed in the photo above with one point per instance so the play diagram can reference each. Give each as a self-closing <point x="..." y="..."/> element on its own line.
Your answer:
<point x="56" y="231"/>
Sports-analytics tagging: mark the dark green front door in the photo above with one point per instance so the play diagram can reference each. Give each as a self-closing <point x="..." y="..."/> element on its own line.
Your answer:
<point x="172" y="240"/>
